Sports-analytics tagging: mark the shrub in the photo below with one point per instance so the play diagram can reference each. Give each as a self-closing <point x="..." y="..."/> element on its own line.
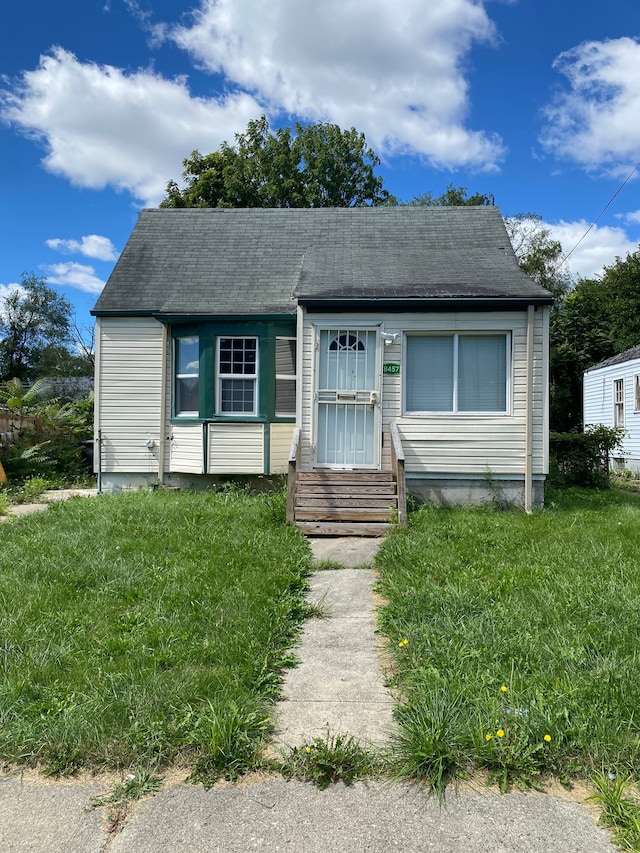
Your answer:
<point x="582" y="458"/>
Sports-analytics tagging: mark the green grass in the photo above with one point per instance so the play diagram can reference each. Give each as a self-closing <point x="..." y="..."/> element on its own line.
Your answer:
<point x="523" y="639"/>
<point x="147" y="629"/>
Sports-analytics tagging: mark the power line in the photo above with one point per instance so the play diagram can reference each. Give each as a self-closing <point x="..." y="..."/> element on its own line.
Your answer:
<point x="607" y="205"/>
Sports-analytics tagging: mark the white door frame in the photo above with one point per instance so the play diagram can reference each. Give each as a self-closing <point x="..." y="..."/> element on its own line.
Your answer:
<point x="373" y="398"/>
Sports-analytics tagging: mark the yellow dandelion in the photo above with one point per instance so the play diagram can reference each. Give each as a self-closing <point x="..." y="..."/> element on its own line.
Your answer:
<point x="504" y="688"/>
<point x="547" y="738"/>
<point x="500" y="732"/>
<point x="487" y="737"/>
<point x="308" y="749"/>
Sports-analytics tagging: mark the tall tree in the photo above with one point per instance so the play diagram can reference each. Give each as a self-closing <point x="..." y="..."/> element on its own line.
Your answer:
<point x="319" y="165"/>
<point x="33" y="318"/>
<point x="538" y="254"/>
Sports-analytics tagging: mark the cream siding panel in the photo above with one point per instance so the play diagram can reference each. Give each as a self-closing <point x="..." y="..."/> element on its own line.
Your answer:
<point x="280" y="436"/>
<point x="235" y="448"/>
<point x="186" y="449"/>
<point x="128" y="408"/>
<point x="440" y="444"/>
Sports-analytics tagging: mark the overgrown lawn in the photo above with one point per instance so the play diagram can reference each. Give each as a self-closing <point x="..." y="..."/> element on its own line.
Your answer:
<point x="517" y="639"/>
<point x="146" y="629"/>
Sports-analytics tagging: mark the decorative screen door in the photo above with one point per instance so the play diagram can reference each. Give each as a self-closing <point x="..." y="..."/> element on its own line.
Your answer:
<point x="347" y="402"/>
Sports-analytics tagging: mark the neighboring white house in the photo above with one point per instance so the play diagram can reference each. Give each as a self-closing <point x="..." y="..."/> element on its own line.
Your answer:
<point x="612" y="398"/>
<point x="219" y="331"/>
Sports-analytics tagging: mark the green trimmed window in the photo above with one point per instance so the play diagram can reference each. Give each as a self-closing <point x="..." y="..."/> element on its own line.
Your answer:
<point x="237" y="375"/>
<point x="186" y="359"/>
<point x="286" y="377"/>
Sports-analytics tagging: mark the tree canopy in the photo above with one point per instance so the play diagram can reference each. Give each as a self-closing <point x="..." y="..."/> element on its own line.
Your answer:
<point x="37" y="334"/>
<point x="319" y="165"/>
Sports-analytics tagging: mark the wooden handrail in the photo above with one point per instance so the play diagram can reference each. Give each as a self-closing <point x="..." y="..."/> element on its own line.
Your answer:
<point x="292" y="474"/>
<point x="397" y="464"/>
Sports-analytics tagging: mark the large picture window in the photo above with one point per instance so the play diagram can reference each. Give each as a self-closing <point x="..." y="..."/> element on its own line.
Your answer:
<point x="461" y="372"/>
<point x="237" y="374"/>
<point x="186" y="355"/>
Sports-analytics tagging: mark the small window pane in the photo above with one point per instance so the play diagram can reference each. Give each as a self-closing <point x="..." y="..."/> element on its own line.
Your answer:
<point x="285" y="356"/>
<point x="237" y="396"/>
<point x="187" y="397"/>
<point x="285" y="397"/>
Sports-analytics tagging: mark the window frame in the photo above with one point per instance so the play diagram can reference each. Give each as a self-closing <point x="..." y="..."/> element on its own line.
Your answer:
<point x="636" y="392"/>
<point x="177" y="377"/>
<point x="455" y="412"/>
<point x="220" y="378"/>
<point x="618" y="403"/>
<point x="286" y="377"/>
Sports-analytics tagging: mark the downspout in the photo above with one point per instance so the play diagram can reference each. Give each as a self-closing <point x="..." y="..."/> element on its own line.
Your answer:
<point x="97" y="431"/>
<point x="528" y="465"/>
<point x="162" y="444"/>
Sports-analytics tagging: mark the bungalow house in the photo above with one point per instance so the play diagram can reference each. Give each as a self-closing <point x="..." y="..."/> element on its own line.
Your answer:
<point x="611" y="396"/>
<point x="339" y="344"/>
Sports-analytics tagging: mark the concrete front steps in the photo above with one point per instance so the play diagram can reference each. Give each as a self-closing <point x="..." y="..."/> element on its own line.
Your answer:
<point x="345" y="503"/>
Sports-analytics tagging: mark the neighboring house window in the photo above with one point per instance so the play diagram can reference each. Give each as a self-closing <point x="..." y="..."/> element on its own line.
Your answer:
<point x="457" y="373"/>
<point x="186" y="360"/>
<point x="237" y="373"/>
<point x="636" y="393"/>
<point x="618" y="402"/>
<point x="285" y="377"/>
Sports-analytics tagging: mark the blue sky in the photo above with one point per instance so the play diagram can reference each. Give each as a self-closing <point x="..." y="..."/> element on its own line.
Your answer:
<point x="534" y="101"/>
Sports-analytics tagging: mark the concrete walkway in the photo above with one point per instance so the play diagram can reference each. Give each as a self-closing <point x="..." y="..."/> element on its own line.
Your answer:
<point x="46" y="499"/>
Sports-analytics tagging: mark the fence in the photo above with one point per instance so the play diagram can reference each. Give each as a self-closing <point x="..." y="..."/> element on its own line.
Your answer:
<point x="11" y="423"/>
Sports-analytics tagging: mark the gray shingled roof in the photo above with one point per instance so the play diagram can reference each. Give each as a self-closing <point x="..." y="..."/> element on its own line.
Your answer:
<point x="256" y="261"/>
<point x="627" y="355"/>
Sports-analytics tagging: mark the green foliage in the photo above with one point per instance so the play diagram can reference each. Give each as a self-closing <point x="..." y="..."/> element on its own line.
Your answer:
<point x="620" y="808"/>
<point x="452" y="197"/>
<point x="518" y="627"/>
<point x="162" y="642"/>
<point x="137" y="785"/>
<point x="582" y="459"/>
<point x="538" y="254"/>
<point x="33" y="318"/>
<point x="49" y="446"/>
<point x="336" y="758"/>
<point x="319" y="165"/>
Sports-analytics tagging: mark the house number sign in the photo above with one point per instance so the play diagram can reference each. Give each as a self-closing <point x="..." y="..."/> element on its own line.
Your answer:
<point x="391" y="369"/>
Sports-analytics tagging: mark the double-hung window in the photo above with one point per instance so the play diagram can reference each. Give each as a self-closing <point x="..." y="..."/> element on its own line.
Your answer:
<point x="237" y="375"/>
<point x="618" y="402"/>
<point x="285" y="377"/>
<point x="457" y="372"/>
<point x="186" y="359"/>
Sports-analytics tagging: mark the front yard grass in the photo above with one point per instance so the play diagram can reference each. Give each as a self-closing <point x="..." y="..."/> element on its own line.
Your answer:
<point x="147" y="629"/>
<point x="517" y="640"/>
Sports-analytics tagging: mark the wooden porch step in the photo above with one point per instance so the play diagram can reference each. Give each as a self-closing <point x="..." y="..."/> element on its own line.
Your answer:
<point x="376" y="501"/>
<point x="359" y="477"/>
<point x="346" y="489"/>
<point x="328" y="528"/>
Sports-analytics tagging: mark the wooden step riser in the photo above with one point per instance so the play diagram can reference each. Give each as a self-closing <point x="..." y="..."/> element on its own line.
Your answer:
<point x="338" y="501"/>
<point x="343" y="514"/>
<point x="328" y="528"/>
<point x="344" y="477"/>
<point x="345" y="489"/>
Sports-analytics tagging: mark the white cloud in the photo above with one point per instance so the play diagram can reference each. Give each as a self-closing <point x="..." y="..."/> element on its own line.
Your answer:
<point x="102" y="127"/>
<point x="92" y="246"/>
<point x="600" y="247"/>
<point x="597" y="122"/>
<point x="8" y="289"/>
<point x="395" y="70"/>
<point x="633" y="217"/>
<point x="71" y="274"/>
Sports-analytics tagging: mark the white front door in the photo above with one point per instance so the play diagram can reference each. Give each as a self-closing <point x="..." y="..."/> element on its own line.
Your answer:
<point x="347" y="398"/>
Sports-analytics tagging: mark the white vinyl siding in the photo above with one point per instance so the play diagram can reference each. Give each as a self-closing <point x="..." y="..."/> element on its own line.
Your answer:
<point x="129" y="399"/>
<point x="280" y="436"/>
<point x="235" y="448"/>
<point x="455" y="444"/>
<point x="600" y="405"/>
<point x="186" y="449"/>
